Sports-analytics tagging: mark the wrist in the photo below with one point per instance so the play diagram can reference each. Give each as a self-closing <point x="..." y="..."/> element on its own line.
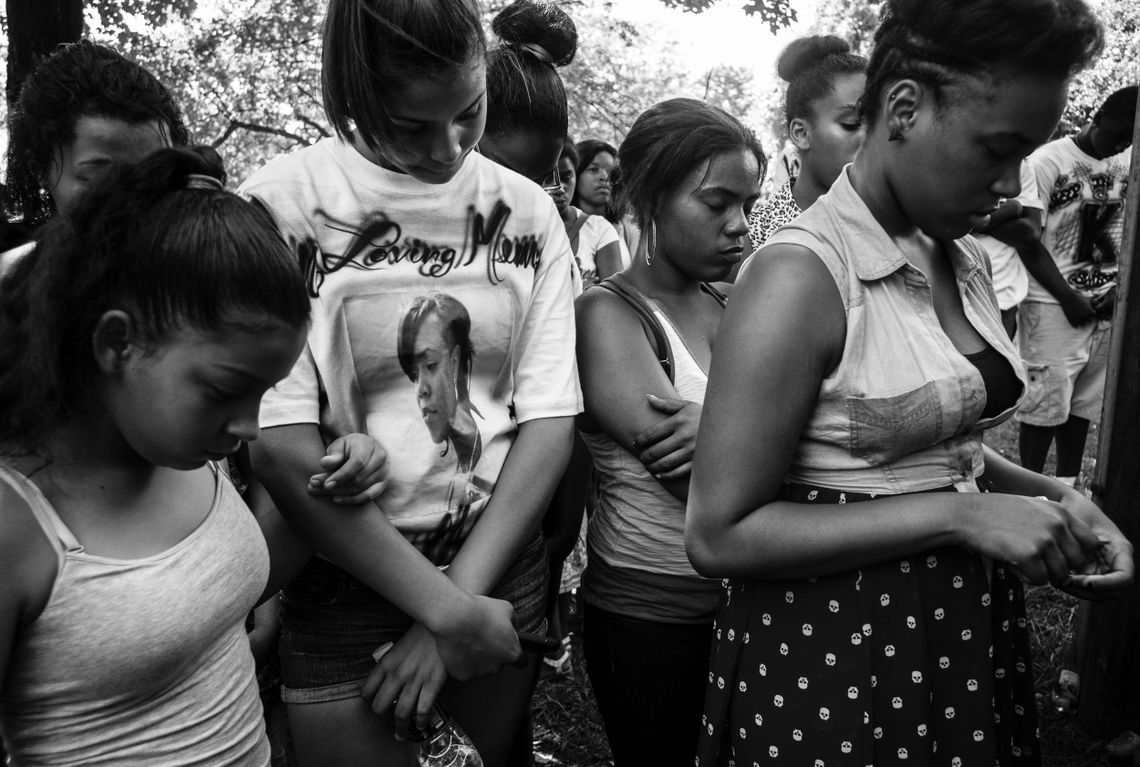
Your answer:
<point x="448" y="616"/>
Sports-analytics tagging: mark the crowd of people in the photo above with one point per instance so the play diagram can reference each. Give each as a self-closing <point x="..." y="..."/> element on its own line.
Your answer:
<point x="322" y="444"/>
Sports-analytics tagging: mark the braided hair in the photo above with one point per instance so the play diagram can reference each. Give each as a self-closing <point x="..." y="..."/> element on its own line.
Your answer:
<point x="939" y="41"/>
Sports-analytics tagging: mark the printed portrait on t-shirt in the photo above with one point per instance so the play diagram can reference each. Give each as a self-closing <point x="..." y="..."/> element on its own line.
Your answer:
<point x="432" y="376"/>
<point x="436" y="353"/>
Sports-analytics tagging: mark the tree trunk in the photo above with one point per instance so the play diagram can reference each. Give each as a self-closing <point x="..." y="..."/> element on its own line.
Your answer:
<point x="35" y="28"/>
<point x="1110" y="662"/>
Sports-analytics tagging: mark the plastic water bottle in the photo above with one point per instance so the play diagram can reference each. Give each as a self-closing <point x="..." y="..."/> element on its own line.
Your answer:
<point x="444" y="743"/>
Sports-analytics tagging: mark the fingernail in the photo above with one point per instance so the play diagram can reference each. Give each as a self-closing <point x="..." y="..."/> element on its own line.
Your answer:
<point x="330" y="484"/>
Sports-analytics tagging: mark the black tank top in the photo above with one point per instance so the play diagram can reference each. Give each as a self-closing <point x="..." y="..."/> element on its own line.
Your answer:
<point x="1002" y="385"/>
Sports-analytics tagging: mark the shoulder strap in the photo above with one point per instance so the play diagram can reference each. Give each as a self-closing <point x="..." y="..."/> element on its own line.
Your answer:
<point x="720" y="297"/>
<point x="574" y="229"/>
<point x="55" y="530"/>
<point x="648" y="319"/>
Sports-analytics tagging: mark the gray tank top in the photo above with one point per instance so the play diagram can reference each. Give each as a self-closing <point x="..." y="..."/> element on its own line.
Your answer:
<point x="141" y="661"/>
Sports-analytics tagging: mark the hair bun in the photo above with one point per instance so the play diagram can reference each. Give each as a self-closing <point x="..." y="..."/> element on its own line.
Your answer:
<point x="525" y="24"/>
<point x="807" y="52"/>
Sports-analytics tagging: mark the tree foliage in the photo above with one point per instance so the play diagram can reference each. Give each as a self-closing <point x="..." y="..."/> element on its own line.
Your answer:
<point x="248" y="78"/>
<point x="1117" y="67"/>
<point x="247" y="74"/>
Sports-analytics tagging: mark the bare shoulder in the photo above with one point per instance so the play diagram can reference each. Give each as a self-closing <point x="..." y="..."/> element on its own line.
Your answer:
<point x="28" y="561"/>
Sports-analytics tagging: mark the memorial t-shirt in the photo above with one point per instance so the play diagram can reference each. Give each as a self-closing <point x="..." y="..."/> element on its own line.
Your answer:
<point x="443" y="317"/>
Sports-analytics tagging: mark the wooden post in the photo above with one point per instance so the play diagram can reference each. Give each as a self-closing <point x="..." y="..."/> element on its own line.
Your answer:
<point x="1110" y="657"/>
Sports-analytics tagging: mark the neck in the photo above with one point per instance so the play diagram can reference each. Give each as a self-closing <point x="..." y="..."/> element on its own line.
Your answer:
<point x="1084" y="141"/>
<point x="807" y="188"/>
<point x="870" y="180"/>
<point x="661" y="280"/>
<point x="84" y="447"/>
<point x="590" y="209"/>
<point x="370" y="154"/>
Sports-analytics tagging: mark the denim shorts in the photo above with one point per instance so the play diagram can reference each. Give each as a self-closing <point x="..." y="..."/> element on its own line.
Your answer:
<point x="331" y="623"/>
<point x="1065" y="366"/>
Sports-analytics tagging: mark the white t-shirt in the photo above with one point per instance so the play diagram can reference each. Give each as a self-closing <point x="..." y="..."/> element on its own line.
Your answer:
<point x="595" y="234"/>
<point x="1083" y="200"/>
<point x="1011" y="280"/>
<point x="399" y="265"/>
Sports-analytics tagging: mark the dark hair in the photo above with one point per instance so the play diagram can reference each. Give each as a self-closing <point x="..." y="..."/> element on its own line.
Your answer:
<point x="588" y="149"/>
<point x="524" y="91"/>
<point x="81" y="79"/>
<point x="669" y="140"/>
<point x="373" y="48"/>
<point x="810" y="66"/>
<point x="159" y="240"/>
<point x="457" y="332"/>
<point x="934" y="41"/>
<point x="1120" y="105"/>
<point x="570" y="151"/>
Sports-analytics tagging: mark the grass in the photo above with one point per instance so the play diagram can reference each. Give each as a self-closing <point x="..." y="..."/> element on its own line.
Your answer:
<point x="568" y="730"/>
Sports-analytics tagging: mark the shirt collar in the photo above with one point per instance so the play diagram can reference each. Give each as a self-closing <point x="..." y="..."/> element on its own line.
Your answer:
<point x="876" y="254"/>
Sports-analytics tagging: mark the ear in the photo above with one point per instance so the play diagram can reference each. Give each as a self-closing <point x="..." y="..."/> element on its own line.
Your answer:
<point x="114" y="341"/>
<point x="799" y="131"/>
<point x="903" y="101"/>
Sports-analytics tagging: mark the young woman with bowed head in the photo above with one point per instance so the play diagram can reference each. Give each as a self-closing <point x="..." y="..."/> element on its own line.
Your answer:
<point x="871" y="610"/>
<point x="527" y="119"/>
<point x="135" y="344"/>
<point x="84" y="109"/>
<point x="442" y="295"/>
<point x="821" y="112"/>
<point x="691" y="173"/>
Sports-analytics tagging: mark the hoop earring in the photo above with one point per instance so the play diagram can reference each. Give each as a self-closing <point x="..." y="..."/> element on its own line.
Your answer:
<point x="650" y="242"/>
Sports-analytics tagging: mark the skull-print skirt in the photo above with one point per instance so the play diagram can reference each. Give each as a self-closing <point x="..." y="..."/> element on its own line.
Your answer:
<point x="922" y="661"/>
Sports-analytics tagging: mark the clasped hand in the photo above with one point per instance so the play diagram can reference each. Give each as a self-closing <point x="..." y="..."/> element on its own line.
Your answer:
<point x="1069" y="543"/>
<point x="354" y="470"/>
<point x="666" y="448"/>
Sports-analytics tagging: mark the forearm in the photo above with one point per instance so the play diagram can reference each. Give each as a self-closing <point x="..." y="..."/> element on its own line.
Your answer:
<point x="608" y="260"/>
<point x="1040" y="264"/>
<point x="526" y="483"/>
<point x="360" y="539"/>
<point x="1005" y="476"/>
<point x="288" y="549"/>
<point x="793" y="540"/>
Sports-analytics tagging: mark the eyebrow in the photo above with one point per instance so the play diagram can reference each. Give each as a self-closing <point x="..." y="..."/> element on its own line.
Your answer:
<point x="708" y="190"/>
<point x="237" y="372"/>
<point x="417" y="120"/>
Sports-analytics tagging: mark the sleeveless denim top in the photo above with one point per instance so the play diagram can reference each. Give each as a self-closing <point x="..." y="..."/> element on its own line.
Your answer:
<point x="902" y="410"/>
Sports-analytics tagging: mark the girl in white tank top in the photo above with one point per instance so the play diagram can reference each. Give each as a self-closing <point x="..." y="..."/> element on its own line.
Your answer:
<point x="645" y="340"/>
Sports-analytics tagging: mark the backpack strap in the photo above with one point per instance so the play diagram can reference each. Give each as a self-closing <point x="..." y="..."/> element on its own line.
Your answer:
<point x="648" y="319"/>
<point x="573" y="230"/>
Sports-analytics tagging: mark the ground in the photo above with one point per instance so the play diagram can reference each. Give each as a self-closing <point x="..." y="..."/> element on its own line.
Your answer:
<point x="568" y="730"/>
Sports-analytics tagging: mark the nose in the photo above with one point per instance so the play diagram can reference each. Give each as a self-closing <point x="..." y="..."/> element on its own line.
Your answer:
<point x="1008" y="183"/>
<point x="244" y="426"/>
<point x="447" y="148"/>
<point x="423" y="388"/>
<point x="737" y="225"/>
